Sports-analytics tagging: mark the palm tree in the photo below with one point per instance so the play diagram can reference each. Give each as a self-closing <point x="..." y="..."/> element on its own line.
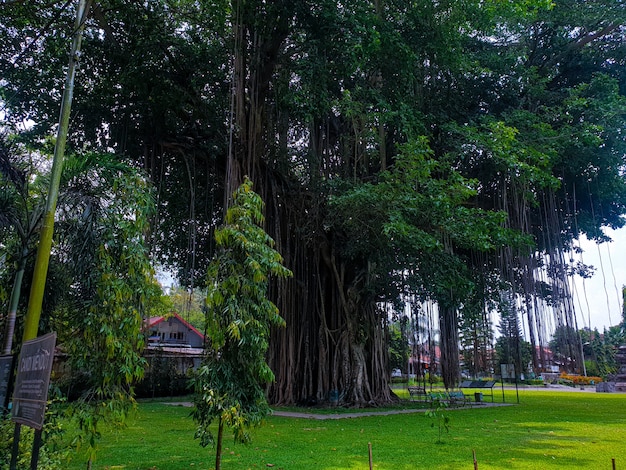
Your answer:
<point x="20" y="215"/>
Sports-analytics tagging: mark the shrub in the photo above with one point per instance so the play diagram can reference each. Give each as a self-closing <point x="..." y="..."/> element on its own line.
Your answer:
<point x="52" y="454"/>
<point x="162" y="379"/>
<point x="433" y="379"/>
<point x="580" y="379"/>
<point x="535" y="382"/>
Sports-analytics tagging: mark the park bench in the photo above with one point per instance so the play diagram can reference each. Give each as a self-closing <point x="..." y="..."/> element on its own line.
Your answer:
<point x="482" y="385"/>
<point x="417" y="392"/>
<point x="457" y="398"/>
<point x="452" y="398"/>
<point x="437" y="397"/>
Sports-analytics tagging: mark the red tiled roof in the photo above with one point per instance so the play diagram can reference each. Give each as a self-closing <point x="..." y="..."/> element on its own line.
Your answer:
<point x="153" y="321"/>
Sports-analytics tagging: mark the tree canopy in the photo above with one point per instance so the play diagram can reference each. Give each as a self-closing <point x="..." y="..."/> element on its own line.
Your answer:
<point x="444" y="151"/>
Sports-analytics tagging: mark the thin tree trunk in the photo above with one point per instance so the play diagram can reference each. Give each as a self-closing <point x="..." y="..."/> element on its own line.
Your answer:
<point x="218" y="450"/>
<point x="9" y="327"/>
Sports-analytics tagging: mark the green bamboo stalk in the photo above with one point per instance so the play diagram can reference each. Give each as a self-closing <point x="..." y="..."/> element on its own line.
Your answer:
<point x="31" y="322"/>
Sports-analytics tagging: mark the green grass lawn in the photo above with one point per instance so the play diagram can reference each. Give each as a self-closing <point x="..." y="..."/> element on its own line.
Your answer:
<point x="547" y="430"/>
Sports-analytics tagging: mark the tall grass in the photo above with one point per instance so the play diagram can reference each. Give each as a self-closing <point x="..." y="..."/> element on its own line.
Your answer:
<point x="547" y="430"/>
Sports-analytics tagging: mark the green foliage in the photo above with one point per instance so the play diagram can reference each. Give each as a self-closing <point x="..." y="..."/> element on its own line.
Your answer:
<point x="399" y="349"/>
<point x="101" y="283"/>
<point x="510" y="347"/>
<point x="439" y="418"/>
<point x="106" y="405"/>
<point x="112" y="287"/>
<point x="189" y="304"/>
<point x="417" y="217"/>
<point x="54" y="451"/>
<point x="162" y="379"/>
<point x="565" y="344"/>
<point x="22" y="201"/>
<point x="521" y="103"/>
<point x="535" y="382"/>
<point x="475" y="332"/>
<point x="600" y="349"/>
<point x="230" y="383"/>
<point x="514" y="351"/>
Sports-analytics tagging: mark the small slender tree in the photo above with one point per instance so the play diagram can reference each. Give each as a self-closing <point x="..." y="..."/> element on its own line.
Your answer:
<point x="510" y="347"/>
<point x="103" y="219"/>
<point x="21" y="208"/>
<point x="230" y="384"/>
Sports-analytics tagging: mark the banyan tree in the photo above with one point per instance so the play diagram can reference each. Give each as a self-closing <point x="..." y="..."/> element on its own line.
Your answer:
<point x="445" y="152"/>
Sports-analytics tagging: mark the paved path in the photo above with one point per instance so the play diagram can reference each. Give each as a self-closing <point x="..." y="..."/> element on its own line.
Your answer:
<point x="559" y="388"/>
<point x="356" y="414"/>
<point x="362" y="414"/>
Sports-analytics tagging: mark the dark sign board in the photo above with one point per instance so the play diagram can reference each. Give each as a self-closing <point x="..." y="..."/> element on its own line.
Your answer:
<point x="31" y="382"/>
<point x="6" y="373"/>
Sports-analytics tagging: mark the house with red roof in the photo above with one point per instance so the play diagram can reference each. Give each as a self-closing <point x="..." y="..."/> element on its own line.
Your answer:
<point x="173" y="330"/>
<point x="172" y="337"/>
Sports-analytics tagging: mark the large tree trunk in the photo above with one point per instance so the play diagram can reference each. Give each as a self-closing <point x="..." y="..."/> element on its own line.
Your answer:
<point x="333" y="347"/>
<point x="334" y="339"/>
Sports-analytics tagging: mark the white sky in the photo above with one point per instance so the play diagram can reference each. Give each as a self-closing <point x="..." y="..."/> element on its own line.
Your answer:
<point x="598" y="299"/>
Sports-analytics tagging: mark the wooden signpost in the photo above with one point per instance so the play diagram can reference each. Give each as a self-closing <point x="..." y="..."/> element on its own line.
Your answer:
<point x="30" y="394"/>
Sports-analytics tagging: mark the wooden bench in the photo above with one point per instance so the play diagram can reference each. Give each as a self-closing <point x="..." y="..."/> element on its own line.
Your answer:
<point x="417" y="392"/>
<point x="480" y="385"/>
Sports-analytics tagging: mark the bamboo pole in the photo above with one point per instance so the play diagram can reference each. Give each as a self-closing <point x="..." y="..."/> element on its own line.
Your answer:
<point x="475" y="461"/>
<point x="369" y="450"/>
<point x="35" y="300"/>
